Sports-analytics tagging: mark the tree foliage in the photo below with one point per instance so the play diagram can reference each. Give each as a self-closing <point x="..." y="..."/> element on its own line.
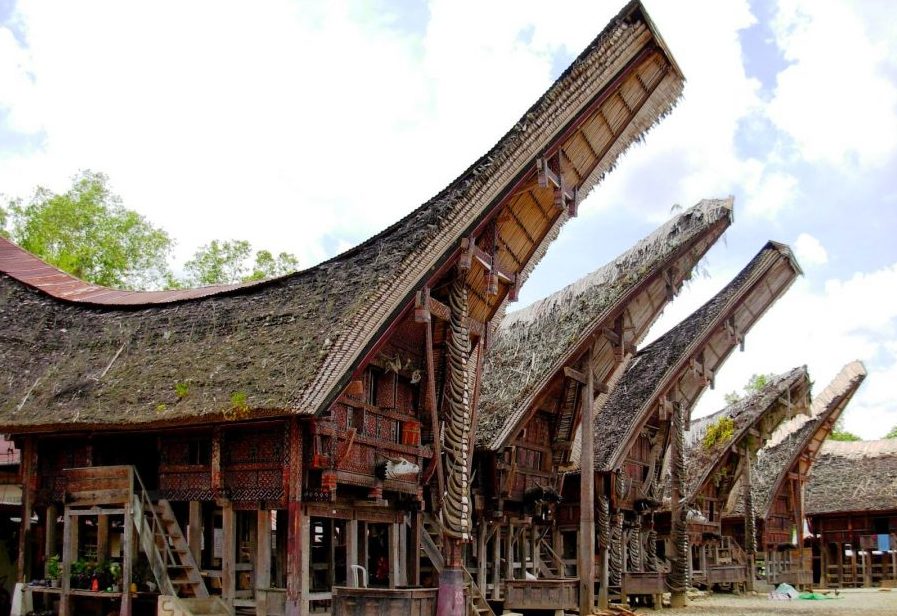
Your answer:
<point x="87" y="232"/>
<point x="755" y="384"/>
<point x="229" y="261"/>
<point x="892" y="433"/>
<point x="840" y="434"/>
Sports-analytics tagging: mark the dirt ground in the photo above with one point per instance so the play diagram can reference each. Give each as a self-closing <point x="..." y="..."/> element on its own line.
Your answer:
<point x="865" y="602"/>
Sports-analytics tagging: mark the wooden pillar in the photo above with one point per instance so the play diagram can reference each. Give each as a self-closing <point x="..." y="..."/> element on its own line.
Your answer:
<point x="678" y="597"/>
<point x="392" y="534"/>
<point x="102" y="538"/>
<point x="50" y="533"/>
<point x="536" y="556"/>
<point x="586" y="565"/>
<point x="482" y="532"/>
<point x="413" y="549"/>
<point x="604" y="573"/>
<point x="524" y="549"/>
<point x="496" y="564"/>
<point x="69" y="555"/>
<point x="127" y="549"/>
<point x="298" y="531"/>
<point x="262" y="561"/>
<point x="351" y="550"/>
<point x="509" y="553"/>
<point x="229" y="553"/>
<point x="27" y="475"/>
<point x="194" y="531"/>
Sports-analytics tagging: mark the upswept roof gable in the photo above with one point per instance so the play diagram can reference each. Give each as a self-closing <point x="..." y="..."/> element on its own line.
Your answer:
<point x="531" y="345"/>
<point x="659" y="365"/>
<point x="801" y="436"/>
<point x="90" y="358"/>
<point x="791" y="389"/>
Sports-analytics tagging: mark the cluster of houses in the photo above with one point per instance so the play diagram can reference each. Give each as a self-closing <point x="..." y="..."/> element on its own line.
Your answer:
<point x="380" y="432"/>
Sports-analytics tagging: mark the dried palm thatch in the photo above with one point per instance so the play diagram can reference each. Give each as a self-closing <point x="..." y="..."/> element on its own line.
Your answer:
<point x="533" y="344"/>
<point x="800" y="438"/>
<point x="761" y="413"/>
<point x="77" y="355"/>
<point x="854" y="476"/>
<point x="711" y="332"/>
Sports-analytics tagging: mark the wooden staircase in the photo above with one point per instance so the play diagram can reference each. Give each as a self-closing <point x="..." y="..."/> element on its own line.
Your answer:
<point x="164" y="544"/>
<point x="553" y="567"/>
<point x="431" y="542"/>
<point x="195" y="606"/>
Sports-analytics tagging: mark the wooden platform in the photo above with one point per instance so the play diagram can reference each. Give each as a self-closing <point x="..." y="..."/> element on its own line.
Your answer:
<point x="383" y="601"/>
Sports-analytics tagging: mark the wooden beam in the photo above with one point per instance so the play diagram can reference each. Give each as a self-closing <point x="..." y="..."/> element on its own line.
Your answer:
<point x="262" y="559"/>
<point x="129" y="550"/>
<point x="433" y="412"/>
<point x="216" y="460"/>
<point x="28" y="474"/>
<point x="582" y="379"/>
<point x="194" y="530"/>
<point x="443" y="312"/>
<point x="586" y="564"/>
<point x="297" y="595"/>
<point x="228" y="554"/>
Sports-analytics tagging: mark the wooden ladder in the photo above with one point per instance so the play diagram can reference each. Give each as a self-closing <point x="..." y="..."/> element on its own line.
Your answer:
<point x="164" y="544"/>
<point x="477" y="604"/>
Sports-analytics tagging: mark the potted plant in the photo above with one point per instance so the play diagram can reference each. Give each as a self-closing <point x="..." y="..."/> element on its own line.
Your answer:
<point x="115" y="576"/>
<point x="53" y="570"/>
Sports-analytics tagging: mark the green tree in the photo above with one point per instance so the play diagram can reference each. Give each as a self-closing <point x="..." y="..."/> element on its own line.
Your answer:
<point x="840" y="434"/>
<point x="892" y="433"/>
<point x="224" y="262"/>
<point x="755" y="384"/>
<point x="87" y="232"/>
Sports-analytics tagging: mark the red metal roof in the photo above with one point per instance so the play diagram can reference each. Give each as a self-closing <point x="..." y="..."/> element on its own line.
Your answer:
<point x="32" y="271"/>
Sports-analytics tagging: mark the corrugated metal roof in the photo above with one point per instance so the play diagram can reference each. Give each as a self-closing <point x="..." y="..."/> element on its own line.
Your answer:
<point x="32" y="271"/>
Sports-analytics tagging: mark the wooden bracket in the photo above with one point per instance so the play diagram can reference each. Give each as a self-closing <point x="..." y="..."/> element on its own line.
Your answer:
<point x="565" y="197"/>
<point x="443" y="312"/>
<point x="422" y="306"/>
<point x="468" y="245"/>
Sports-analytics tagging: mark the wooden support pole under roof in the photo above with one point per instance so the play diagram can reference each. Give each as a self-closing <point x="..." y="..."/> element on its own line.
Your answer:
<point x="194" y="530"/>
<point x="586" y="556"/>
<point x="27" y="473"/>
<point x="262" y="559"/>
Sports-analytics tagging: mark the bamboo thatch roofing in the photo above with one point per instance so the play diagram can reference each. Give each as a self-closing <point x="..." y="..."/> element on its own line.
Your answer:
<point x="84" y="357"/>
<point x="533" y="344"/>
<point x="685" y="358"/>
<point x="854" y="476"/>
<point x="755" y="419"/>
<point x="801" y="437"/>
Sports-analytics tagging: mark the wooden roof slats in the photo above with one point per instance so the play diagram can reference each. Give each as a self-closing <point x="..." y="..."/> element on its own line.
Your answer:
<point x="801" y="437"/>
<point x="540" y="340"/>
<point x="664" y="369"/>
<point x="339" y="312"/>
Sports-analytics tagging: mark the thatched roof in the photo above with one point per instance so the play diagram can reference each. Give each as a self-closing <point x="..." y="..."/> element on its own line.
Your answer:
<point x="760" y="413"/>
<point x="531" y="345"/>
<point x="801" y="437"/>
<point x="87" y="357"/>
<point x="854" y="476"/>
<point x="667" y="361"/>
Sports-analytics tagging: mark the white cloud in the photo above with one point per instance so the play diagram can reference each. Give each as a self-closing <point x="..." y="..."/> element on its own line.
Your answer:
<point x="810" y="250"/>
<point x="834" y="98"/>
<point x="771" y="191"/>
<point x="847" y="319"/>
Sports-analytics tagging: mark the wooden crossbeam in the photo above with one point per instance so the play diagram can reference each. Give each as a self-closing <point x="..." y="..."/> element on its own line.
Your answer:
<point x="581" y="378"/>
<point x="443" y="312"/>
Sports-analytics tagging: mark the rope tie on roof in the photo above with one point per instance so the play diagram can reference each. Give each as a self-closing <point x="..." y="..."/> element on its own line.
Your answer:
<point x="678" y="577"/>
<point x="456" y="512"/>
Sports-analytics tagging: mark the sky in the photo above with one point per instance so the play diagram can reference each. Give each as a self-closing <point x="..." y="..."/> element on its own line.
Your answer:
<point x="310" y="126"/>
